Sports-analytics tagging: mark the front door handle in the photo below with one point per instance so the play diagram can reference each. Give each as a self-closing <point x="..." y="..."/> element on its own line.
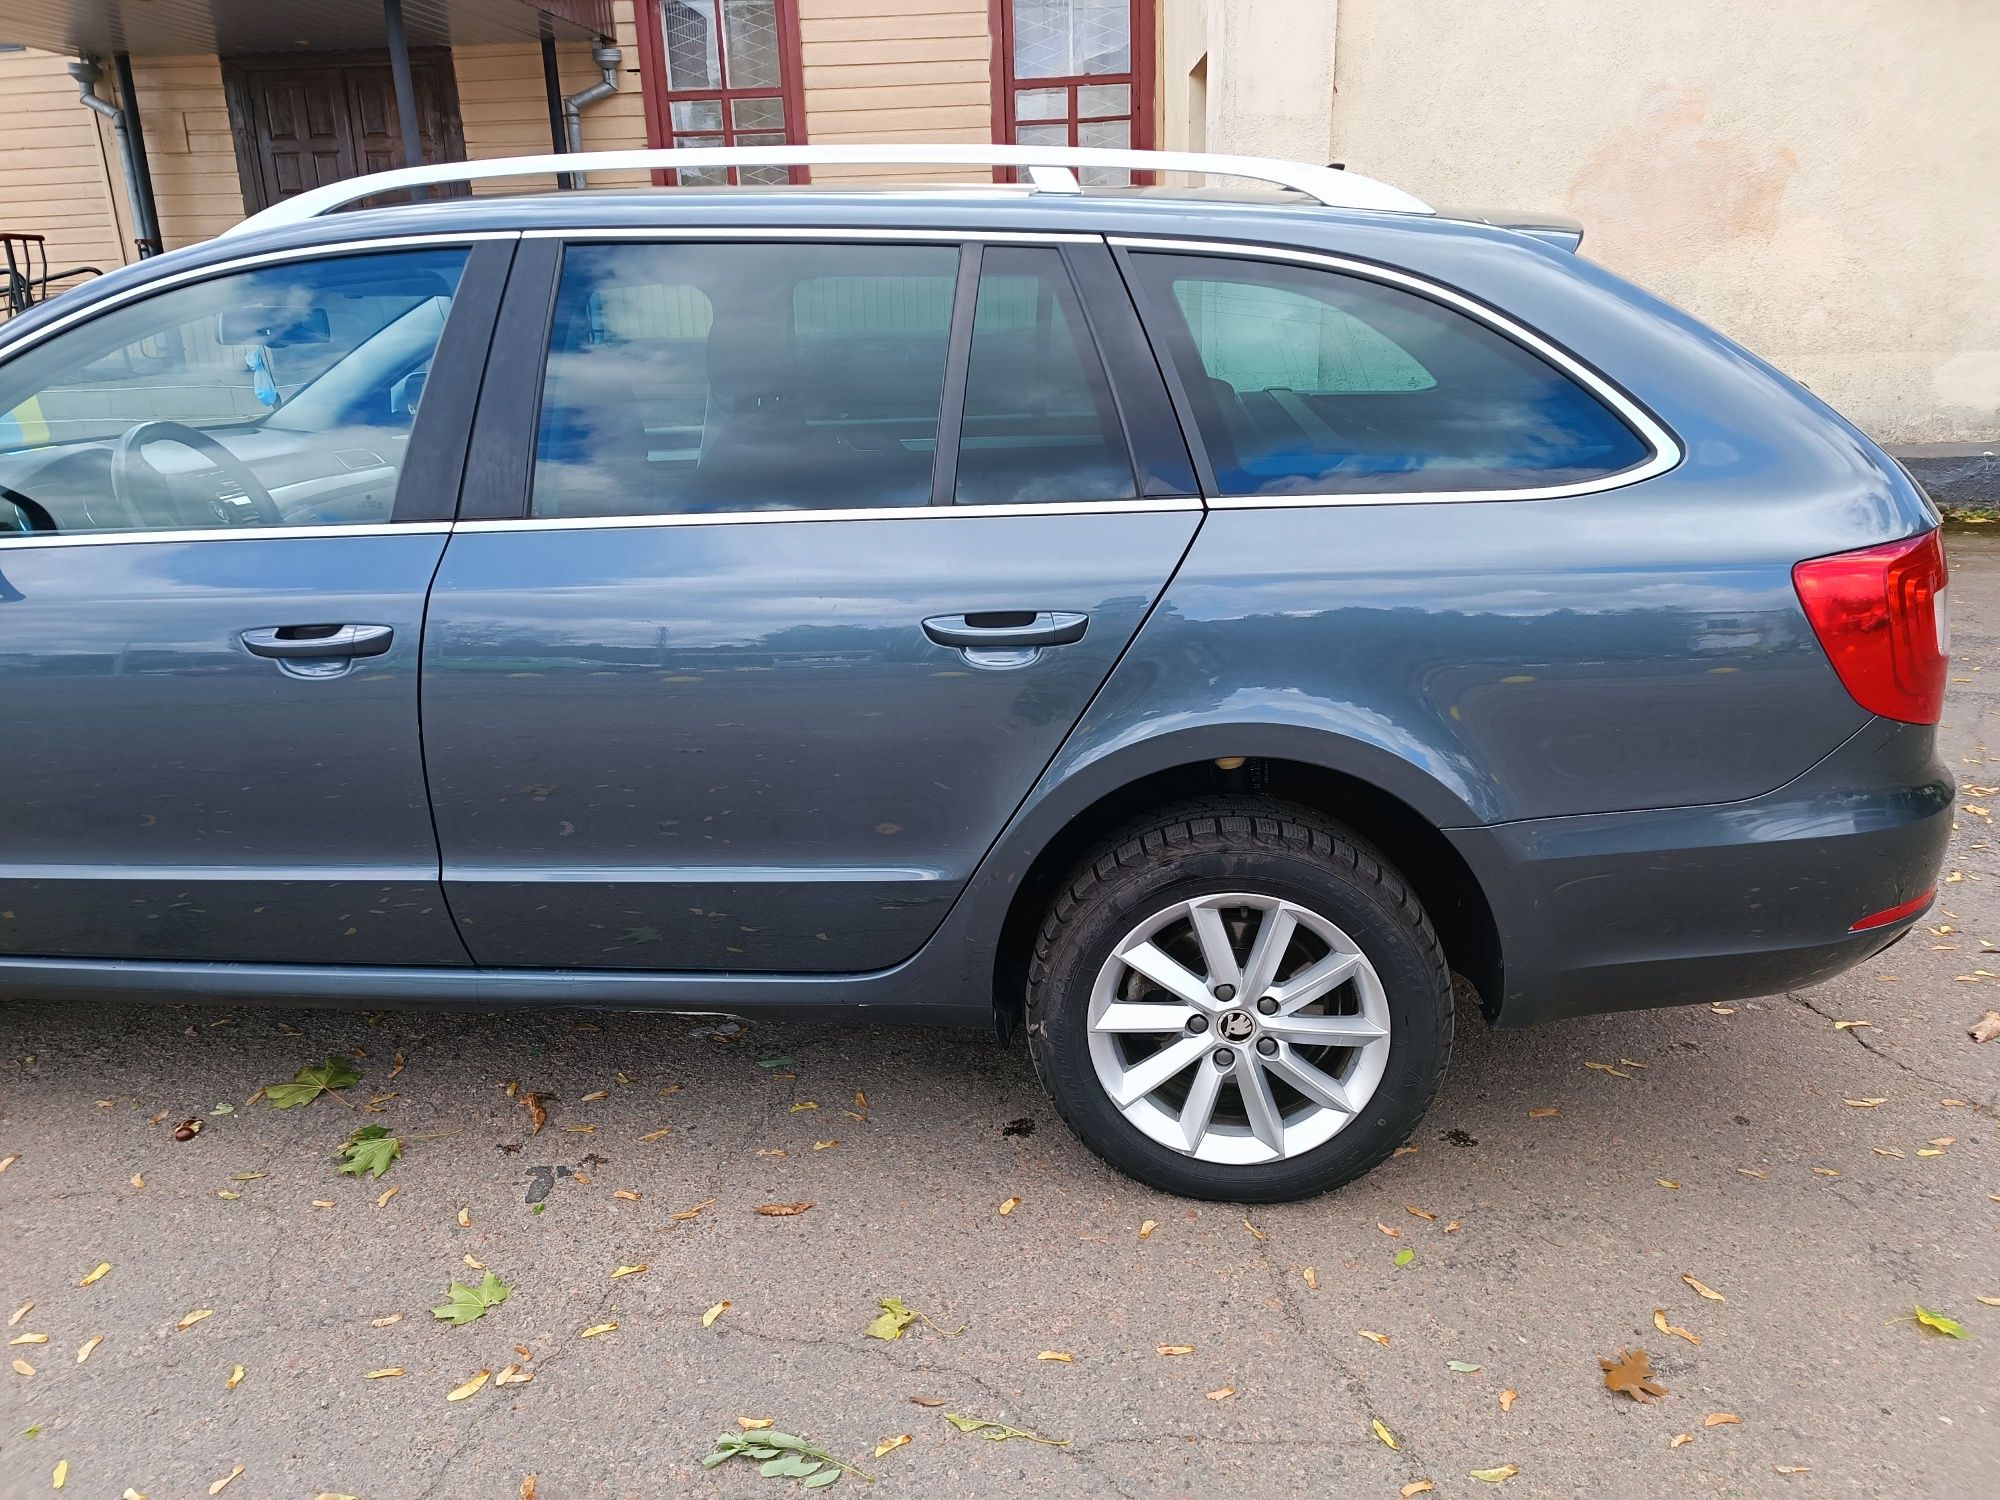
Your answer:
<point x="1007" y="630"/>
<point x="305" y="642"/>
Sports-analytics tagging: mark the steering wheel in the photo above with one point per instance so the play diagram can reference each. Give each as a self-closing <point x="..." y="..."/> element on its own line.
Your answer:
<point x="129" y="456"/>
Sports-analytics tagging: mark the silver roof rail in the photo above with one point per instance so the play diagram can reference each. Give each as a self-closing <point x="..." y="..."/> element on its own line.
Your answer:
<point x="1050" y="169"/>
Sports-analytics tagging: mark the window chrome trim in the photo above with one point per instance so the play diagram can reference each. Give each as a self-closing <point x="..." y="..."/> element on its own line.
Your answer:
<point x="832" y="234"/>
<point x="1667" y="451"/>
<point x="15" y="541"/>
<point x="245" y="262"/>
<point x="861" y="513"/>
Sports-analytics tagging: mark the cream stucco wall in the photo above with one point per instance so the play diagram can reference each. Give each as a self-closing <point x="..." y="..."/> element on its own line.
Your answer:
<point x="1820" y="179"/>
<point x="1253" y="77"/>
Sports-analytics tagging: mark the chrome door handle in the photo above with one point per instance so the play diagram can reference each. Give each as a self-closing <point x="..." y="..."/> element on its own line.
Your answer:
<point x="298" y="642"/>
<point x="1003" y="630"/>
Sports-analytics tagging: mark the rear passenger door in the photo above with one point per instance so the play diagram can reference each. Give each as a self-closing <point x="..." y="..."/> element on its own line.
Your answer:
<point x="777" y="583"/>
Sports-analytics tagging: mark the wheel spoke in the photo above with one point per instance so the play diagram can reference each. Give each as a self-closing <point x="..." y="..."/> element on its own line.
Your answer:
<point x="1323" y="1031"/>
<point x="1168" y="973"/>
<point x="1261" y="1105"/>
<point x="1143" y="1077"/>
<point x="1322" y="979"/>
<point x="1200" y="1106"/>
<point x="1146" y="1016"/>
<point x="1267" y="952"/>
<point x="1313" y="1082"/>
<point x="1216" y="950"/>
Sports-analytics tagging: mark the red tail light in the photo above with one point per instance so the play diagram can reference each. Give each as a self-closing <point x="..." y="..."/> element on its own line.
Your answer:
<point x="1880" y="615"/>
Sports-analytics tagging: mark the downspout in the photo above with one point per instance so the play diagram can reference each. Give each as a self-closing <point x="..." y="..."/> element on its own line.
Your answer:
<point x="145" y="216"/>
<point x="607" y="58"/>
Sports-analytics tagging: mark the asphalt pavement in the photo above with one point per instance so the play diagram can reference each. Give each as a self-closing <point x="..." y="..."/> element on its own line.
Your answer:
<point x="1573" y="1183"/>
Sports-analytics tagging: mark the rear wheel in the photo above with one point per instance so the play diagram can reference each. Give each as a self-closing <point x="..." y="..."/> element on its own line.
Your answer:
<point x="1239" y="1001"/>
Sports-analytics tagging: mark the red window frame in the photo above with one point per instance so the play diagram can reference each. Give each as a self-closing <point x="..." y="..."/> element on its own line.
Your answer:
<point x="1006" y="85"/>
<point x="660" y="99"/>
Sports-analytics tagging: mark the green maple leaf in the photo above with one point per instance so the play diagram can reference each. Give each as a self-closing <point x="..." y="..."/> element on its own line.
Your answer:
<point x="336" y="1073"/>
<point x="370" y="1149"/>
<point x="469" y="1302"/>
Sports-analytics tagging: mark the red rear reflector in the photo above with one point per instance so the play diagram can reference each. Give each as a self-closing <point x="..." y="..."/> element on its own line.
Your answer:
<point x="1895" y="913"/>
<point x="1879" y="613"/>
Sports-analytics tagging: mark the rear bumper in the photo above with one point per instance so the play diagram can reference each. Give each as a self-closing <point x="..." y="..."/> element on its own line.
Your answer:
<point x="1618" y="911"/>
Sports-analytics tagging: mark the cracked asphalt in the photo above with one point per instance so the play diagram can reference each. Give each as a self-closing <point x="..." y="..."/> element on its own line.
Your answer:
<point x="1815" y="1218"/>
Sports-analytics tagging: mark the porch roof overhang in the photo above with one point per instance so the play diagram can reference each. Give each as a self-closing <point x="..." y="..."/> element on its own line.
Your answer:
<point x="178" y="28"/>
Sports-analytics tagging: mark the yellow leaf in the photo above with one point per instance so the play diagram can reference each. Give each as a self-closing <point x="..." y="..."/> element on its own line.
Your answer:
<point x="227" y="1194"/>
<point x="1221" y="1393"/>
<point x="654" y="1135"/>
<point x="1416" y="1487"/>
<point x="1146" y="1229"/>
<point x="61" y="1475"/>
<point x="1058" y="1356"/>
<point x="689" y="1213"/>
<point x="1794" y="1468"/>
<point x="223" y="1483"/>
<point x="1722" y="1419"/>
<point x="1497" y="1476"/>
<point x="138" y="1179"/>
<point x="22" y="1367"/>
<point x="21" y="1312"/>
<point x="891" y="1444"/>
<point x="1989" y="1301"/>
<point x="594" y="1096"/>
<point x="1678" y="1438"/>
<point x="625" y="1194"/>
<point x="235" y="1379"/>
<point x="708" y="1318"/>
<point x="754" y="1424"/>
<point x="1379" y="1338"/>
<point x="1707" y="1291"/>
<point x="1660" y="1322"/>
<point x="1825" y="1172"/>
<point x="465" y="1218"/>
<point x="470" y="1388"/>
<point x="1850" y="1025"/>
<point x="89" y="1347"/>
<point x="514" y="1375"/>
<point x="1394" y="1234"/>
<point x="385" y="1322"/>
<point x="8" y="1161"/>
<point x="194" y="1317"/>
<point x="580" y="1129"/>
<point x="390" y="1372"/>
<point x="1311" y="1277"/>
<point x="1666" y="1182"/>
<point x="1255" y="1233"/>
<point x="803" y="1105"/>
<point x="596" y="1328"/>
<point x="383" y="1201"/>
<point x="1929" y="1151"/>
<point x="1009" y="1206"/>
<point x="29" y="1338"/>
<point x="824" y="1145"/>
<point x="1863" y="1103"/>
<point x="638" y="1270"/>
<point x="1172" y="1349"/>
<point x="1508" y="1398"/>
<point x="96" y="1276"/>
<point x="477" y="1265"/>
<point x="1753" y="1172"/>
<point x="1388" y="1437"/>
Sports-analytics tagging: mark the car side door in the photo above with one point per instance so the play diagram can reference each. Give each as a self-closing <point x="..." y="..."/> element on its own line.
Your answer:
<point x="221" y="505"/>
<point x="777" y="585"/>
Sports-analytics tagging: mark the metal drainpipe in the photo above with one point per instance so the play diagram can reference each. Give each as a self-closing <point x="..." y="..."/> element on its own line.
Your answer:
<point x="145" y="218"/>
<point x="607" y="58"/>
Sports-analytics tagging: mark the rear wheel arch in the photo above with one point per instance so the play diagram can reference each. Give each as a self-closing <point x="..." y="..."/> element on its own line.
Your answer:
<point x="1434" y="869"/>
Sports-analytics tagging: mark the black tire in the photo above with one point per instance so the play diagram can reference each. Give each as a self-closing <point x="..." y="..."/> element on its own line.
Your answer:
<point x="1263" y="846"/>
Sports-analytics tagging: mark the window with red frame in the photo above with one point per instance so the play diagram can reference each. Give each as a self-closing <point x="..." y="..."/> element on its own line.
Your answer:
<point x="1074" y="73"/>
<point x="723" y="73"/>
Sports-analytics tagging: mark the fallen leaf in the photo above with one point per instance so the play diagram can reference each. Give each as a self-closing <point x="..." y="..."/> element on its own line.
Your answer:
<point x="389" y="1372"/>
<point x="1850" y="1025"/>
<point x="1678" y="1438"/>
<point x="1508" y="1398"/>
<point x="89" y="1347"/>
<point x="1173" y="1349"/>
<point x="1989" y="1301"/>
<point x="1707" y="1291"/>
<point x="803" y="1105"/>
<point x="1416" y="1487"/>
<point x="21" y="1312"/>
<point x="1544" y="1112"/>
<point x="1311" y="1277"/>
<point x="1460" y="1367"/>
<point x="625" y="1194"/>
<point x="22" y="1367"/>
<point x="654" y="1135"/>
<point x="98" y="1275"/>
<point x="1722" y="1419"/>
<point x="465" y="1303"/>
<point x="1009" y="1206"/>
<point x="1405" y="1256"/>
<point x="1794" y="1468"/>
<point x="194" y="1317"/>
<point x="824" y="1145"/>
<point x="235" y="1379"/>
<point x="383" y="1201"/>
<point x="754" y="1424"/>
<point x="1986" y="1028"/>
<point x="1221" y="1393"/>
<point x="61" y="1475"/>
<point x="514" y="1375"/>
<point x="138" y="1179"/>
<point x="1666" y="1182"/>
<point x="465" y="1218"/>
<point x="689" y="1213"/>
<point x="595" y="1095"/>
<point x="1394" y="1234"/>
<point x="223" y="1483"/>
<point x="29" y="1338"/>
<point x="1631" y="1374"/>
<point x="891" y="1444"/>
<point x="1951" y="1327"/>
<point x="1383" y="1433"/>
<point x="1825" y="1172"/>
<point x="708" y="1318"/>
<point x="1863" y="1103"/>
<point x="308" y="1084"/>
<point x="8" y="1161"/>
<point x="638" y="1270"/>
<point x="925" y="1401"/>
<point x="1058" y="1356"/>
<point x="596" y="1328"/>
<point x="1146" y="1229"/>
<point x="1497" y="1476"/>
<point x="1607" y="1068"/>
<point x="471" y="1387"/>
<point x="529" y="1487"/>
<point x="781" y="1210"/>
<point x="1753" y="1172"/>
<point x="537" y="1111"/>
<point x="1374" y="1337"/>
<point x="1660" y="1322"/>
<point x="385" y="1322"/>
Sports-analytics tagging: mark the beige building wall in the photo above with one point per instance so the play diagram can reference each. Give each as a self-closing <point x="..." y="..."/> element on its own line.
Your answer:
<point x="192" y="153"/>
<point x="1251" y="77"/>
<point x="1820" y="179"/>
<point x="880" y="72"/>
<point x="55" y="168"/>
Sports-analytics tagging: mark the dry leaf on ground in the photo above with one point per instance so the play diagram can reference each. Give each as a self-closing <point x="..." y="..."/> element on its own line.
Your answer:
<point x="471" y="1387"/>
<point x="1660" y="1322"/>
<point x="1631" y="1374"/>
<point x="1986" y="1028"/>
<point x="708" y="1318"/>
<point x="224" y="1482"/>
<point x="1383" y="1433"/>
<point x="1722" y="1419"/>
<point x="1508" y="1398"/>
<point x="781" y="1210"/>
<point x="1009" y="1206"/>
<point x="1705" y="1290"/>
<point x="1416" y="1487"/>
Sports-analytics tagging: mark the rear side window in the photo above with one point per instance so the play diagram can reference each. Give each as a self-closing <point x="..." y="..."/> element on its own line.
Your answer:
<point x="1310" y="381"/>
<point x="687" y="378"/>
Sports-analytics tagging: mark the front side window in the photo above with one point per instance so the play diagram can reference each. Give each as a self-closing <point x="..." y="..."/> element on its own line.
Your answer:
<point x="274" y="397"/>
<point x="1310" y="381"/>
<point x="724" y="73"/>
<point x="729" y="377"/>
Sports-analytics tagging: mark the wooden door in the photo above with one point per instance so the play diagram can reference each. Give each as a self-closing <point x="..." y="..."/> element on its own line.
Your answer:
<point x="301" y="123"/>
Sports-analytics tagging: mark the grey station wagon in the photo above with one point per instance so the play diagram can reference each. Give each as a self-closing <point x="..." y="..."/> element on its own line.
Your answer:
<point x="1191" y="624"/>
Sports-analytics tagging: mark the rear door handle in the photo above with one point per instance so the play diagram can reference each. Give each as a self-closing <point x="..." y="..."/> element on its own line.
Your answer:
<point x="301" y="642"/>
<point x="1010" y="629"/>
